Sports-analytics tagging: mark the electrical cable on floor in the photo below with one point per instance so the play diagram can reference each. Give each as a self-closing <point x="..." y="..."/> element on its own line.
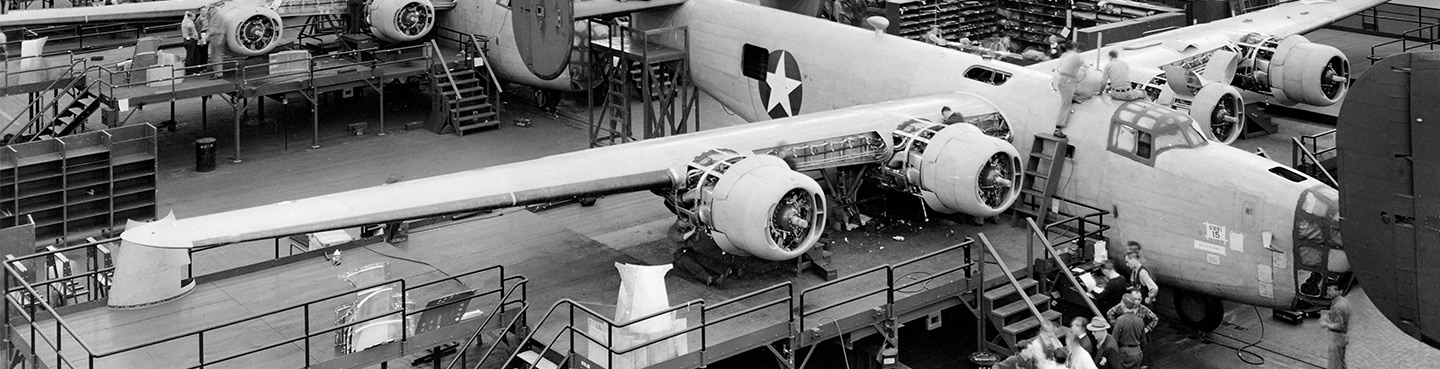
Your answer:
<point x="911" y="275"/>
<point x="421" y="262"/>
<point x="846" y="355"/>
<point x="1240" y="352"/>
<point x="1174" y="323"/>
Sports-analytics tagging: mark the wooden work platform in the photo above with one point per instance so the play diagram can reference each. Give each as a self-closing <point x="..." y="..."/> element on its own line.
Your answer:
<point x="639" y="50"/>
<point x="255" y="80"/>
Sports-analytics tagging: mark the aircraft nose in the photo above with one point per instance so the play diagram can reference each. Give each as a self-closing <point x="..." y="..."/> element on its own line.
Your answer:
<point x="1318" y="224"/>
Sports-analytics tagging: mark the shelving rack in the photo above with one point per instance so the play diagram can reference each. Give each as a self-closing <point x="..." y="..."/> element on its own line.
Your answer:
<point x="973" y="19"/>
<point x="80" y="185"/>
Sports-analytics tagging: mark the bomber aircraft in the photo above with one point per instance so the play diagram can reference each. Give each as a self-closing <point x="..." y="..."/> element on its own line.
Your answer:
<point x="1209" y="214"/>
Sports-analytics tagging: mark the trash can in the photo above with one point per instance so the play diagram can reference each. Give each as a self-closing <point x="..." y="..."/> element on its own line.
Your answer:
<point x="205" y="154"/>
<point x="984" y="360"/>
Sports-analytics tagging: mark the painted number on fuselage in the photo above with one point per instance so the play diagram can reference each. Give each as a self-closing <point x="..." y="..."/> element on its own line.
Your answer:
<point x="781" y="91"/>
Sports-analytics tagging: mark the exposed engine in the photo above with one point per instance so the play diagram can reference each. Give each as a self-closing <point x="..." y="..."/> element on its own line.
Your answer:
<point x="751" y="205"/>
<point x="955" y="168"/>
<point x="1292" y="69"/>
<point x="249" y="29"/>
<point x="1221" y="108"/>
<point x="400" y="20"/>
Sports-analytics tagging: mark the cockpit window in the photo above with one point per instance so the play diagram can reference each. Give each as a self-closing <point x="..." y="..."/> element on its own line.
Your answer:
<point x="1142" y="130"/>
<point x="987" y="75"/>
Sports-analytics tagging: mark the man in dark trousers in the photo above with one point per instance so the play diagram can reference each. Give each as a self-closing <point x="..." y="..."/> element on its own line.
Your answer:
<point x="1115" y="286"/>
<point x="1107" y="351"/>
<point x="1337" y="321"/>
<point x="1130" y="334"/>
<point x="1141" y="279"/>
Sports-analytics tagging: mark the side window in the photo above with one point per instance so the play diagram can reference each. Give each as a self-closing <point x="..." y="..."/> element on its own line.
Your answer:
<point x="754" y="60"/>
<point x="1143" y="143"/>
<point x="1124" y="139"/>
<point x="987" y="75"/>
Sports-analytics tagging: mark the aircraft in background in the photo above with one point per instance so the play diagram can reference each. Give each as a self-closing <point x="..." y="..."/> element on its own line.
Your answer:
<point x="1209" y="214"/>
<point x="255" y="27"/>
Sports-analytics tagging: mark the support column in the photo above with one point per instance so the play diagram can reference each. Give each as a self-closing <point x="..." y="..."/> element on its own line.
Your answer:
<point x="235" y="110"/>
<point x="315" y="119"/>
<point x="204" y="115"/>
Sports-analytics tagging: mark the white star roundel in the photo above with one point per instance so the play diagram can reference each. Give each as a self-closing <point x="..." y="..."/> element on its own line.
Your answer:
<point x="781" y="92"/>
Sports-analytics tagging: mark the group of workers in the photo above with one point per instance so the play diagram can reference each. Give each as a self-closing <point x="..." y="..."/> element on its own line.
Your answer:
<point x="203" y="40"/>
<point x="1089" y="343"/>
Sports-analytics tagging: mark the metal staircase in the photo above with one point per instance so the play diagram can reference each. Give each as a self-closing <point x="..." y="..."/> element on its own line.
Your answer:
<point x="1016" y="309"/>
<point x="470" y="93"/>
<point x="61" y="115"/>
<point x="1047" y="159"/>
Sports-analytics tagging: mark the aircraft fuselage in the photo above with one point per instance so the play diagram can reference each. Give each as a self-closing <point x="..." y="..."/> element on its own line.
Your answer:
<point x="1198" y="207"/>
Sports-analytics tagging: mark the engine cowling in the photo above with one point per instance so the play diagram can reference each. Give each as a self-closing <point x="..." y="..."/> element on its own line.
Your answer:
<point x="400" y="20"/>
<point x="751" y="205"/>
<point x="1220" y="112"/>
<point x="1293" y="69"/>
<point x="249" y="30"/>
<point x="960" y="169"/>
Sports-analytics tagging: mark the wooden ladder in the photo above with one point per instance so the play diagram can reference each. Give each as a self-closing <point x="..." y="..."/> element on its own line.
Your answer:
<point x="1038" y="187"/>
<point x="615" y="112"/>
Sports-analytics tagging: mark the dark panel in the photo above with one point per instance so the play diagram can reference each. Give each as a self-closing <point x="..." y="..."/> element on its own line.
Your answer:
<point x="544" y="32"/>
<point x="1424" y="115"/>
<point x="753" y="60"/>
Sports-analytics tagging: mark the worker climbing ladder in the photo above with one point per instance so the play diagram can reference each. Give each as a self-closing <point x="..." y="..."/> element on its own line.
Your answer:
<point x="1047" y="159"/>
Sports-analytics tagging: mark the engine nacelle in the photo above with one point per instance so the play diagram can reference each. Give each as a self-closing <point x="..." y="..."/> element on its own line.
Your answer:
<point x="1220" y="112"/>
<point x="957" y="168"/>
<point x="400" y="20"/>
<point x="751" y="205"/>
<point x="1292" y="70"/>
<point x="249" y="30"/>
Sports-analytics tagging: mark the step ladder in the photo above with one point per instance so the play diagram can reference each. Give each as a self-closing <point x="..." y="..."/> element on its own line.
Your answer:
<point x="1013" y="319"/>
<point x="1038" y="185"/>
<point x="615" y="111"/>
<point x="467" y="100"/>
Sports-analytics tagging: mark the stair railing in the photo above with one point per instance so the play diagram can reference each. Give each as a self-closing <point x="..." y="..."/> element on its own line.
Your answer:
<point x="480" y="52"/>
<point x="32" y="125"/>
<point x="519" y="317"/>
<point x="1064" y="268"/>
<point x="1305" y="153"/>
<point x="69" y="85"/>
<point x="446" y="67"/>
<point x="1011" y="276"/>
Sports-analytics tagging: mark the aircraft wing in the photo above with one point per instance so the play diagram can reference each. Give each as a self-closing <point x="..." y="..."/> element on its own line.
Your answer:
<point x="622" y="168"/>
<point x="108" y="13"/>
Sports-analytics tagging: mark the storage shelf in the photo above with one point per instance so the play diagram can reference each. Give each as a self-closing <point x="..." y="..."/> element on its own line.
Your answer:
<point x="69" y="186"/>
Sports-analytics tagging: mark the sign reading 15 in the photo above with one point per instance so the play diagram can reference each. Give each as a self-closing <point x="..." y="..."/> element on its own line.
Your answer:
<point x="1215" y="232"/>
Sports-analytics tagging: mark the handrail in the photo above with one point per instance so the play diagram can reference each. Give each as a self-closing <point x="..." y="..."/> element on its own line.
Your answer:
<point x="491" y="72"/>
<point x="59" y="321"/>
<point x="478" y="331"/>
<point x="1406" y="37"/>
<point x="404" y="289"/>
<point x="1011" y="276"/>
<point x="1064" y="268"/>
<point x="1328" y="178"/>
<point x="70" y="73"/>
<point x="446" y="66"/>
